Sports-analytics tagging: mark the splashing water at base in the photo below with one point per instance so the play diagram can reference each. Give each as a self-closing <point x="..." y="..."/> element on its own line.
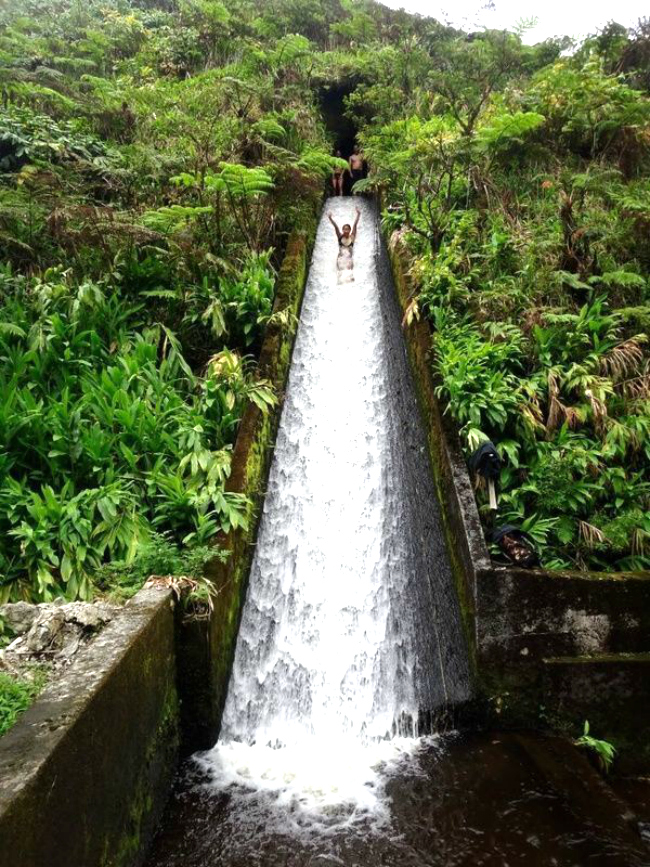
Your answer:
<point x="341" y="645"/>
<point x="312" y="787"/>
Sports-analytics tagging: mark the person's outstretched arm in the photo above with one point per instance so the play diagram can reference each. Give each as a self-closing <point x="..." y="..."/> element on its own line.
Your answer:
<point x="356" y="223"/>
<point x="336" y="228"/>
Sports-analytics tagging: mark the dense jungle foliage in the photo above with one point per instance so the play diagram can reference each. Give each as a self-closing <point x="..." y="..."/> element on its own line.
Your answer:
<point x="155" y="156"/>
<point x="519" y="180"/>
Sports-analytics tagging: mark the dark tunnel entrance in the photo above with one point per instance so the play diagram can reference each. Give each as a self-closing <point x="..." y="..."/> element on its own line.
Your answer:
<point x="340" y="127"/>
<point x="342" y="130"/>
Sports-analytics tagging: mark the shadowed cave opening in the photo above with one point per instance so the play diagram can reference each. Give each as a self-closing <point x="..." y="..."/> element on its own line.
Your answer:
<point x="341" y="128"/>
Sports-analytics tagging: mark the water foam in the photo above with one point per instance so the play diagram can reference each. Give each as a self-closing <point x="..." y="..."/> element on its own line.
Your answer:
<point x="313" y="786"/>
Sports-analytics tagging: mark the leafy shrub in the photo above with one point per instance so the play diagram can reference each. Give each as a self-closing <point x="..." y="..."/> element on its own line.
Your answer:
<point x="27" y="137"/>
<point x="479" y="383"/>
<point x="603" y="750"/>
<point x="155" y="557"/>
<point x="16" y="695"/>
<point x="108" y="434"/>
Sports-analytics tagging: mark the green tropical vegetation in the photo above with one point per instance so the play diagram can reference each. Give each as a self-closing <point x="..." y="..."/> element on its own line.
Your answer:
<point x="16" y="695"/>
<point x="155" y="155"/>
<point x="517" y="179"/>
<point x="604" y="752"/>
<point x="154" y="159"/>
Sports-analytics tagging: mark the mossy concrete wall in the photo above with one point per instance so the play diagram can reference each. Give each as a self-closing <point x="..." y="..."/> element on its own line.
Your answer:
<point x="86" y="772"/>
<point x="464" y="536"/>
<point x="535" y="614"/>
<point x="206" y="648"/>
<point x="549" y="648"/>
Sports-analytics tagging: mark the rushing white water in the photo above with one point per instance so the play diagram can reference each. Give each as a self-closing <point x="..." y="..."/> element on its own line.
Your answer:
<point x="333" y="663"/>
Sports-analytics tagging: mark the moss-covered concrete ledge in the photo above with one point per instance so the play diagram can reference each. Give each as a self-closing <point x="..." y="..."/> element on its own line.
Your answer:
<point x="206" y="648"/>
<point x="466" y="545"/>
<point x="86" y="772"/>
<point x="549" y="648"/>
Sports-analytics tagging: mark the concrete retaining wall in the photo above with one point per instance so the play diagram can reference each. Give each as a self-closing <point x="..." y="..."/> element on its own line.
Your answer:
<point x="551" y="648"/>
<point x="87" y="770"/>
<point x="206" y="648"/>
<point x="537" y="614"/>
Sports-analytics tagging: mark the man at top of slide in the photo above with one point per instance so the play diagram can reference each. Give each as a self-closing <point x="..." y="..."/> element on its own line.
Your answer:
<point x="356" y="165"/>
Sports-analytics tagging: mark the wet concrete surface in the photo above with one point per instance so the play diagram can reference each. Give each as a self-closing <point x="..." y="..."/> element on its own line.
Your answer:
<point x="486" y="800"/>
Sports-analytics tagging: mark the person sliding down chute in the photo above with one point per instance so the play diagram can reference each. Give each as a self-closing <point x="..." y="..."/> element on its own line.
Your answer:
<point x="346" y="238"/>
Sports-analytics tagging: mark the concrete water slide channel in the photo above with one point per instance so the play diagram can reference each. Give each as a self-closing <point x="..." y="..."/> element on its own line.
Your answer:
<point x="351" y="659"/>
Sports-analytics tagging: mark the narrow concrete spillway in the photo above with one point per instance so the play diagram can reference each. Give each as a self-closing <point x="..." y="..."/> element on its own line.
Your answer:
<point x="351" y="630"/>
<point x="351" y="633"/>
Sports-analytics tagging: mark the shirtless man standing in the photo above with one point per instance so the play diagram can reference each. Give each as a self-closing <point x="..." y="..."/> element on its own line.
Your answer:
<point x="356" y="165"/>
